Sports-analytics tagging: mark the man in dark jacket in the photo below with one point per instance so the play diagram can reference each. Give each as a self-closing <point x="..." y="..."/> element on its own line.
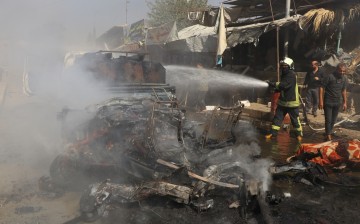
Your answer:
<point x="288" y="102"/>
<point x="334" y="86"/>
<point x="312" y="84"/>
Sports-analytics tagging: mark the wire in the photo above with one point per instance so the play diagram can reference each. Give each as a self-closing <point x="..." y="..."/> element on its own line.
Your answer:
<point x="310" y="3"/>
<point x="295" y="7"/>
<point x="321" y="129"/>
<point x="272" y="13"/>
<point x="336" y="124"/>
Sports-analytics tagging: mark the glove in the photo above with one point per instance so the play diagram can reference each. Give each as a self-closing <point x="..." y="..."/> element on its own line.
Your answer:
<point x="271" y="84"/>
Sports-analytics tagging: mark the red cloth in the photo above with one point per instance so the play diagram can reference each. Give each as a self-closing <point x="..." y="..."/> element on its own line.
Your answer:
<point x="327" y="149"/>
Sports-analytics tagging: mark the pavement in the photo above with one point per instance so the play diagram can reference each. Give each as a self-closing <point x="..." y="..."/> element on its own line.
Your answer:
<point x="12" y="92"/>
<point x="349" y="126"/>
<point x="3" y="87"/>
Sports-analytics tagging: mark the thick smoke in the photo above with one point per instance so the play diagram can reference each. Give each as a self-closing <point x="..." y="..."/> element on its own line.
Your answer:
<point x="246" y="149"/>
<point x="35" y="37"/>
<point x="34" y="40"/>
<point x="245" y="152"/>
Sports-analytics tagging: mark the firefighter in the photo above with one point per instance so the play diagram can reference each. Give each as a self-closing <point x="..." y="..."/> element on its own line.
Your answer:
<point x="288" y="102"/>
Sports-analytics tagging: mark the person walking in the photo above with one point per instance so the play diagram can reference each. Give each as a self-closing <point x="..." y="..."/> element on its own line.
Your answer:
<point x="312" y="84"/>
<point x="288" y="102"/>
<point x="333" y="96"/>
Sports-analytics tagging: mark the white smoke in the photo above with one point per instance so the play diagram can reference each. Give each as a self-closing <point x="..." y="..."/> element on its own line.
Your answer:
<point x="245" y="152"/>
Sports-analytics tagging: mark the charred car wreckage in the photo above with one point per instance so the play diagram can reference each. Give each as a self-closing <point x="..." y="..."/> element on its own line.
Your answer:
<point x="141" y="144"/>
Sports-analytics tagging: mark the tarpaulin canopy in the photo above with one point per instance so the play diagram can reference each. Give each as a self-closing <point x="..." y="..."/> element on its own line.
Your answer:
<point x="200" y="38"/>
<point x="267" y="8"/>
<point x="112" y="38"/>
<point x="196" y="30"/>
<point x="161" y="34"/>
<point x="195" y="38"/>
<point x="134" y="47"/>
<point x="243" y="12"/>
<point x="137" y="30"/>
<point x="251" y="33"/>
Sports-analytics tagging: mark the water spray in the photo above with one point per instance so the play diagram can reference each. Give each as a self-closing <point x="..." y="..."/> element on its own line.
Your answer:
<point x="182" y="74"/>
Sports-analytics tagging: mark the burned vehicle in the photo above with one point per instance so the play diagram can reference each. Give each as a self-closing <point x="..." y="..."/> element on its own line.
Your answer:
<point x="230" y="172"/>
<point x="155" y="158"/>
<point x="120" y="131"/>
<point x="115" y="69"/>
<point x="142" y="114"/>
<point x="241" y="191"/>
<point x="147" y="146"/>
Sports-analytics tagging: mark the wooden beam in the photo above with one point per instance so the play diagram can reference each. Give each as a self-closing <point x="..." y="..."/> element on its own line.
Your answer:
<point x="193" y="175"/>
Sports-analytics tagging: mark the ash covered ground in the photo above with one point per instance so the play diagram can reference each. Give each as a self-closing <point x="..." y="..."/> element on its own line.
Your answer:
<point x="28" y="147"/>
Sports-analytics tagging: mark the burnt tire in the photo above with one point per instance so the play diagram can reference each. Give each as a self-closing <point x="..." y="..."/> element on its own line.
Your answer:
<point x="64" y="171"/>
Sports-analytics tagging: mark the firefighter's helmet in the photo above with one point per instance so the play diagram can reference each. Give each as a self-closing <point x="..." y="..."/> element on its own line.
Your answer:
<point x="288" y="61"/>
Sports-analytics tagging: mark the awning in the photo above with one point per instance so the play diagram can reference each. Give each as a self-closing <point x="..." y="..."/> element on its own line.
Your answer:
<point x="203" y="44"/>
<point x="161" y="34"/>
<point x="111" y="38"/>
<point x="251" y="33"/>
<point x="196" y="30"/>
<point x="195" y="38"/>
<point x="130" y="48"/>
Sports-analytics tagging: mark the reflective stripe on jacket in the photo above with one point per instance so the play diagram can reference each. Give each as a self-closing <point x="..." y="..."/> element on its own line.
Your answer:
<point x="289" y="92"/>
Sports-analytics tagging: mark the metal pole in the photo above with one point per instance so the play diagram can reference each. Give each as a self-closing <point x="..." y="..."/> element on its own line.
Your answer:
<point x="341" y="27"/>
<point x="338" y="42"/>
<point x="286" y="39"/>
<point x="287" y="10"/>
<point x="126" y="11"/>
<point x="277" y="53"/>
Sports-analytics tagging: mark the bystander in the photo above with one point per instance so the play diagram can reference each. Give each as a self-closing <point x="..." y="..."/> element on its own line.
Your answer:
<point x="332" y="97"/>
<point x="312" y="83"/>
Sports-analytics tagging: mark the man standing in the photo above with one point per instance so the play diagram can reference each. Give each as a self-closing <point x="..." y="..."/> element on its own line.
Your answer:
<point x="288" y="102"/>
<point x="312" y="83"/>
<point x="334" y="86"/>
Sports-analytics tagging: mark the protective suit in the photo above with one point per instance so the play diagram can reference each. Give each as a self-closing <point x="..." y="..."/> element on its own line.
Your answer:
<point x="288" y="102"/>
